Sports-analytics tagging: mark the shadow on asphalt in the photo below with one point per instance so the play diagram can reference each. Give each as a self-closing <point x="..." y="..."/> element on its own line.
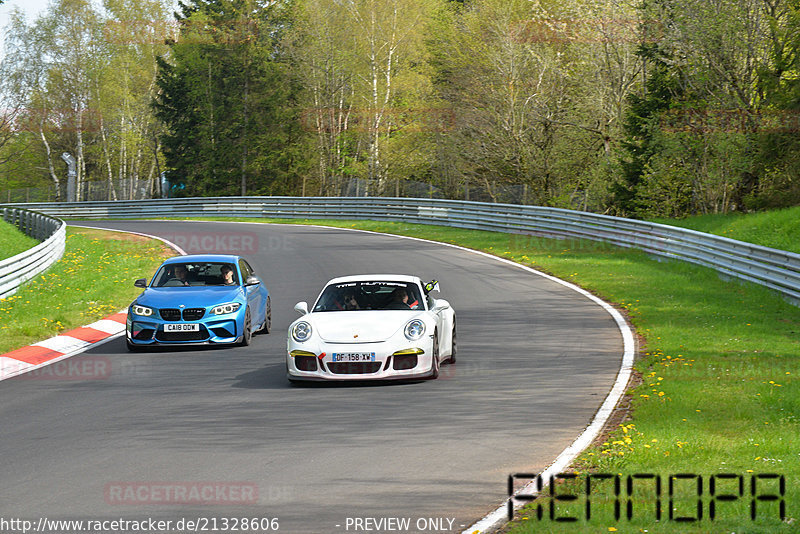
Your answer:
<point x="274" y="377"/>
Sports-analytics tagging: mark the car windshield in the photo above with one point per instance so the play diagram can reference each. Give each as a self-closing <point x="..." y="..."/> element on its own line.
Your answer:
<point x="355" y="296"/>
<point x="196" y="274"/>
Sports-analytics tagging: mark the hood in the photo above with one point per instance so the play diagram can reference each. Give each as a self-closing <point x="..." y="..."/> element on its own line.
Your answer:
<point x="190" y="297"/>
<point x="360" y="326"/>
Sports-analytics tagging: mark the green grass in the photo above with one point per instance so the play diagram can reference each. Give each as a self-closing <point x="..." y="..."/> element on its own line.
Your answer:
<point x="12" y="241"/>
<point x="718" y="367"/>
<point x="777" y="229"/>
<point x="93" y="280"/>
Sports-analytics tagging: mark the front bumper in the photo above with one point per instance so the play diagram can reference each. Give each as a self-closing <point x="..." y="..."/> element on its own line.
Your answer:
<point x="391" y="362"/>
<point x="147" y="331"/>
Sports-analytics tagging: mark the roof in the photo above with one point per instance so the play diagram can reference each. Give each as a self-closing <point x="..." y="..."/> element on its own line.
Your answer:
<point x="227" y="258"/>
<point x="376" y="278"/>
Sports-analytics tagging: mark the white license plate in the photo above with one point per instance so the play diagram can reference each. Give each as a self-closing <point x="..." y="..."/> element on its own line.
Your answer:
<point x="181" y="327"/>
<point x="354" y="356"/>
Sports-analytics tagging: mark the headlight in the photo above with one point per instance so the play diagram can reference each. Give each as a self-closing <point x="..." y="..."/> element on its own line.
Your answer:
<point x="301" y="331"/>
<point x="222" y="309"/>
<point x="414" y="329"/>
<point x="144" y="311"/>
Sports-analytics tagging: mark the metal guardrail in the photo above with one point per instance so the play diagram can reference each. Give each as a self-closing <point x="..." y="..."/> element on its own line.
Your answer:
<point x="776" y="269"/>
<point x="52" y="232"/>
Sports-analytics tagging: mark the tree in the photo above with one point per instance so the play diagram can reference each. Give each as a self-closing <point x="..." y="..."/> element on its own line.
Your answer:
<point x="720" y="71"/>
<point x="24" y="74"/>
<point x="536" y="108"/>
<point x="226" y="100"/>
<point x="363" y="65"/>
<point x="83" y="83"/>
<point x="642" y="127"/>
<point x="128" y="148"/>
<point x="322" y="67"/>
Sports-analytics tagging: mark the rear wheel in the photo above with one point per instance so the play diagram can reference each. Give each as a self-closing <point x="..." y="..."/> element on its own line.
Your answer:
<point x="247" y="333"/>
<point x="435" y="356"/>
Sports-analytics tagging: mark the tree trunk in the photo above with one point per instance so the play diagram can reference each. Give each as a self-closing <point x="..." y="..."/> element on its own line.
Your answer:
<point x="81" y="161"/>
<point x="245" y="129"/>
<point x="50" y="168"/>
<point x="112" y="193"/>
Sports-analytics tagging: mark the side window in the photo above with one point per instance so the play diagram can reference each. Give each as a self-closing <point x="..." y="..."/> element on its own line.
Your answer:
<point x="247" y="271"/>
<point x="413" y="297"/>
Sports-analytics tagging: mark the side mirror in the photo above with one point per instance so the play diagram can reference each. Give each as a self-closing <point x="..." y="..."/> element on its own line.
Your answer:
<point x="252" y="281"/>
<point x="301" y="308"/>
<point x="440" y="304"/>
<point x="141" y="282"/>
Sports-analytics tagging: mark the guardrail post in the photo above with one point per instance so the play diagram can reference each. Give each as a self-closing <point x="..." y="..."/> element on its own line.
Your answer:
<point x="37" y="226"/>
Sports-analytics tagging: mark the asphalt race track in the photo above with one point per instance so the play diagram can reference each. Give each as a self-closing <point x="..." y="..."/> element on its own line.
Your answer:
<point x="535" y="361"/>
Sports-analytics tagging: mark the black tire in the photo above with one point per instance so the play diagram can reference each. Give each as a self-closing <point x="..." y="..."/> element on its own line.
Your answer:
<point x="452" y="358"/>
<point x="435" y="363"/>
<point x="247" y="333"/>
<point x="267" y="326"/>
<point x="132" y="347"/>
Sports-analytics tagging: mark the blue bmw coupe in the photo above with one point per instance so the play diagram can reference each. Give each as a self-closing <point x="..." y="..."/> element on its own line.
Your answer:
<point x="199" y="299"/>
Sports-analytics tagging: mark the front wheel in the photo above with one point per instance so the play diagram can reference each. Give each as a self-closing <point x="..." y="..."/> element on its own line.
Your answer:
<point x="267" y="326"/>
<point x="454" y="346"/>
<point x="435" y="364"/>
<point x="247" y="334"/>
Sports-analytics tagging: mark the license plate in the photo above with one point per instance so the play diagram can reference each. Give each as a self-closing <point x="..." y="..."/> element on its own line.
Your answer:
<point x="181" y="327"/>
<point x="354" y="356"/>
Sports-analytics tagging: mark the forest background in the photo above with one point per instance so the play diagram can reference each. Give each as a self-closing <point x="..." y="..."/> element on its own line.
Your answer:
<point x="653" y="108"/>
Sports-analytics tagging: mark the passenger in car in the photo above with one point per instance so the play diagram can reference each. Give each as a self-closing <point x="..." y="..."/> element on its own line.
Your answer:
<point x="350" y="302"/>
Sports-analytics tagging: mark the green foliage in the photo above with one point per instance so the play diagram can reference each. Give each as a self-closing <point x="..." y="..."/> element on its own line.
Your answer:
<point x="663" y="107"/>
<point x="226" y="101"/>
<point x="367" y="92"/>
<point x="80" y="81"/>
<point x="716" y="129"/>
<point x="642" y="124"/>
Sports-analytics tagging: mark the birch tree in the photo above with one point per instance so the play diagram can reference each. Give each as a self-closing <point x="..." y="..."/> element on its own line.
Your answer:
<point x="364" y="67"/>
<point x="135" y="33"/>
<point x="322" y="64"/>
<point x="76" y="53"/>
<point x="24" y="84"/>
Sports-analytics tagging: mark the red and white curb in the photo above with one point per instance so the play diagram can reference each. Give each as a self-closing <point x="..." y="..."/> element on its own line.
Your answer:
<point x="68" y="344"/>
<point x="62" y="346"/>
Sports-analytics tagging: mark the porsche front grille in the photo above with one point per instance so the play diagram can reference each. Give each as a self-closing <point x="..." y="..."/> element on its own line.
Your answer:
<point x="354" y="368"/>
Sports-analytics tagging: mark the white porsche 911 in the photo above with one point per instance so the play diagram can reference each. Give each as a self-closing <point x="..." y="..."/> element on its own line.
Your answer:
<point x="372" y="327"/>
